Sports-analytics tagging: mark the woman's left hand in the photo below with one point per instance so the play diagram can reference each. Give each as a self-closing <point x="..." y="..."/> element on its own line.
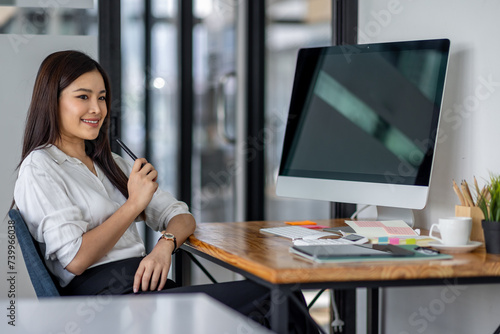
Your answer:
<point x="153" y="269"/>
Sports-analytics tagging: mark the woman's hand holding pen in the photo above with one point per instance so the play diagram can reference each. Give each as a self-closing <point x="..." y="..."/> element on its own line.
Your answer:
<point x="142" y="183"/>
<point x="153" y="269"/>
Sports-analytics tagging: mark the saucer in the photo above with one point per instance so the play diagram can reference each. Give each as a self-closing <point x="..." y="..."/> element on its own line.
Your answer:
<point x="456" y="249"/>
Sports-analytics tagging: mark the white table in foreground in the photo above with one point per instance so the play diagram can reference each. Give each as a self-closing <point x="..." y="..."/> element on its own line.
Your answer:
<point x="175" y="313"/>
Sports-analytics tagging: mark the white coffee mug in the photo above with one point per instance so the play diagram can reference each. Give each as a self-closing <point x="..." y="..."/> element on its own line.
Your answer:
<point x="455" y="231"/>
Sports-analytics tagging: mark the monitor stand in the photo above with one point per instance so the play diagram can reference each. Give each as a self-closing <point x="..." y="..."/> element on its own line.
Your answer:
<point x="389" y="213"/>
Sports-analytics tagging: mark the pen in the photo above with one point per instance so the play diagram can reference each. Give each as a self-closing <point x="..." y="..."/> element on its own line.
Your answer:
<point x="126" y="149"/>
<point x="130" y="153"/>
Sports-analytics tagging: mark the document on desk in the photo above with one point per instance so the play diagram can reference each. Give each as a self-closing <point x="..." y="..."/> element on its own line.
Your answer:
<point x="372" y="229"/>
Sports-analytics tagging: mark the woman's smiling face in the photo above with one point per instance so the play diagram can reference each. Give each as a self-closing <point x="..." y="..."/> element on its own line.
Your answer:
<point x="82" y="108"/>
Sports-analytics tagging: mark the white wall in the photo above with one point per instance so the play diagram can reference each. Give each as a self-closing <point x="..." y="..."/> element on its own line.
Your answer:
<point x="468" y="144"/>
<point x="20" y="57"/>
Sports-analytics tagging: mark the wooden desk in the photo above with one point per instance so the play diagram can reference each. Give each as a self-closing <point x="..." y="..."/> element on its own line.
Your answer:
<point x="266" y="259"/>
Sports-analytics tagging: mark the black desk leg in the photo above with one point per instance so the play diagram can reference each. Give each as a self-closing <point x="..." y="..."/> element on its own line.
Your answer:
<point x="346" y="305"/>
<point x="279" y="310"/>
<point x="372" y="312"/>
<point x="181" y="268"/>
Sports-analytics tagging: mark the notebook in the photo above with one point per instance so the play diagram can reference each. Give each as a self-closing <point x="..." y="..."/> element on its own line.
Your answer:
<point x="367" y="252"/>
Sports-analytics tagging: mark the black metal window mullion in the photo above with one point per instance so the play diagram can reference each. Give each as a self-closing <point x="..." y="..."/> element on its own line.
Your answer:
<point x="344" y="31"/>
<point x="110" y="59"/>
<point x="344" y="22"/>
<point x="148" y="26"/>
<point x="186" y="98"/>
<point x="181" y="267"/>
<point x="256" y="23"/>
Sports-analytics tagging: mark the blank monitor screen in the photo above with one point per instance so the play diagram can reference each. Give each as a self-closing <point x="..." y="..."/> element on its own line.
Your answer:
<point x="365" y="113"/>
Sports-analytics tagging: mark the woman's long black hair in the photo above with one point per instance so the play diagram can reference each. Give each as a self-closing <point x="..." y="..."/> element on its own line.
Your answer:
<point x="56" y="73"/>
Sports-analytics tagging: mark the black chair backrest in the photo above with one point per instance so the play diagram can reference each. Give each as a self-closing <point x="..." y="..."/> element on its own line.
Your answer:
<point x="44" y="283"/>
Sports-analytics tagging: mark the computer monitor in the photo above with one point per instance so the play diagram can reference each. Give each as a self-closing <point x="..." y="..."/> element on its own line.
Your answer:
<point x="363" y="125"/>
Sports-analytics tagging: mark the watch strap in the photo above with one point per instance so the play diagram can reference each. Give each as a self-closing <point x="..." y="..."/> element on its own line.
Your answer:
<point x="170" y="236"/>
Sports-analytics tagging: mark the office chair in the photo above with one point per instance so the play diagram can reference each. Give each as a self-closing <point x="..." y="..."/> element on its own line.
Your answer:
<point x="43" y="281"/>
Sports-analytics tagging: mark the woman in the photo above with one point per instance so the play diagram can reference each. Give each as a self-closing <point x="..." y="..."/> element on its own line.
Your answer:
<point x="73" y="192"/>
<point x="80" y="205"/>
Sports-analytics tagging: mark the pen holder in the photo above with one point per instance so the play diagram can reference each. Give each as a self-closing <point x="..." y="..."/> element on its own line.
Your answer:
<point x="477" y="216"/>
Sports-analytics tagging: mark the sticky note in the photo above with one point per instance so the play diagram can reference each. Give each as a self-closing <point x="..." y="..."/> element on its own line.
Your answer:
<point x="383" y="240"/>
<point x="315" y="227"/>
<point x="393" y="241"/>
<point x="304" y="222"/>
<point x="411" y="241"/>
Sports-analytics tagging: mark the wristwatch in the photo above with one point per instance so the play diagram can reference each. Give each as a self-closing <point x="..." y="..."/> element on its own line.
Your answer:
<point x="170" y="236"/>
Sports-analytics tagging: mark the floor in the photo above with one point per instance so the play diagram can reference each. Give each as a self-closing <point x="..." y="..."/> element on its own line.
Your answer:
<point x="320" y="311"/>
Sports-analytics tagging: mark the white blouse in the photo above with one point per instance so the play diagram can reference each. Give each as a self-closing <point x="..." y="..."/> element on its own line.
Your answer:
<point x="61" y="199"/>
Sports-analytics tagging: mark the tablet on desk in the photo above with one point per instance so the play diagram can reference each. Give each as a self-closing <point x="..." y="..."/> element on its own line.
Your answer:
<point x="339" y="252"/>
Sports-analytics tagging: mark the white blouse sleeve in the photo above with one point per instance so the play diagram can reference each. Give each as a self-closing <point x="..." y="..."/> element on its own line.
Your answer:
<point x="162" y="208"/>
<point x="51" y="217"/>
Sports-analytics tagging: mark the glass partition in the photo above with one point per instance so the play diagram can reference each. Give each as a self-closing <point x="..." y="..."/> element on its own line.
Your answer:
<point x="53" y="20"/>
<point x="214" y="54"/>
<point x="27" y="36"/>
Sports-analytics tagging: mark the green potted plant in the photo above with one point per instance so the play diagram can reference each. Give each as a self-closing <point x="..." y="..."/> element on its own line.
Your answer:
<point x="489" y="202"/>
